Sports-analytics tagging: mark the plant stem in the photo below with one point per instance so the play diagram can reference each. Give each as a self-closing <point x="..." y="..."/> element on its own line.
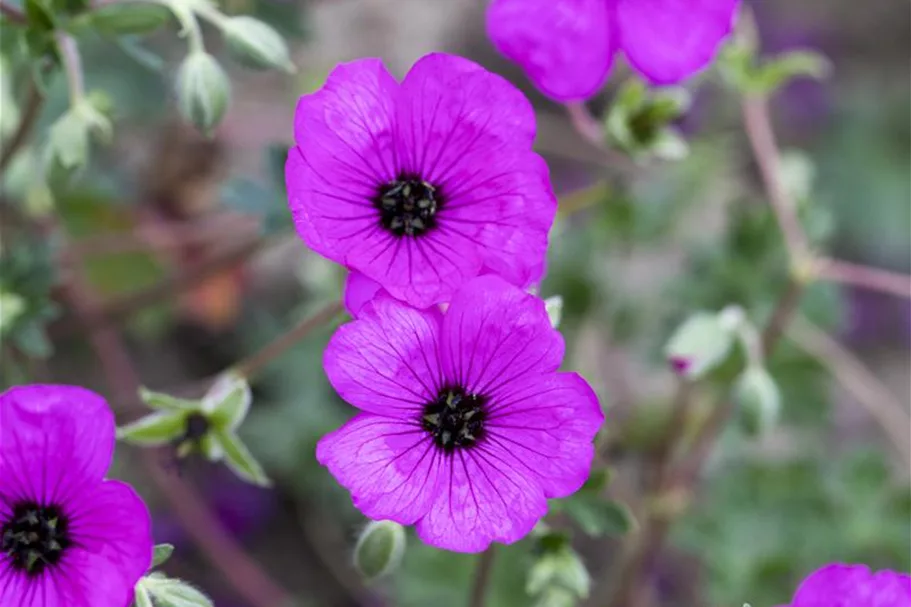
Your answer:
<point x="869" y="391"/>
<point x="255" y="363"/>
<point x="72" y="65"/>
<point x="478" y="595"/>
<point x="34" y="101"/>
<point x="875" y="279"/>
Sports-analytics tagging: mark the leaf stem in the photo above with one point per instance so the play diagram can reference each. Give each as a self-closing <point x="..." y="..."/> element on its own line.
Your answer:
<point x="34" y="101"/>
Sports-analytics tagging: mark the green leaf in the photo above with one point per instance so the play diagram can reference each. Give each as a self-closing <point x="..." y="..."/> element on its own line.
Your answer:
<point x="788" y="66"/>
<point x="128" y="18"/>
<point x="141" y="55"/>
<point x="161" y="553"/>
<point x="39" y="15"/>
<point x="598" y="516"/>
<point x="170" y="592"/>
<point x="240" y="460"/>
<point x="155" y="429"/>
<point x="228" y="402"/>
<point x="142" y="597"/>
<point x="166" y="402"/>
<point x="554" y="307"/>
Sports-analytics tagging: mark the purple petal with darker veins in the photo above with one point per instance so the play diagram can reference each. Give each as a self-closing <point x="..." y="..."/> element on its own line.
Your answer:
<point x="390" y="466"/>
<point x="386" y="362"/>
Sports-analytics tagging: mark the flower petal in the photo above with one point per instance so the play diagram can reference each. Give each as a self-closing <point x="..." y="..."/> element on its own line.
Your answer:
<point x="502" y="204"/>
<point x="451" y="108"/>
<point x="545" y="428"/>
<point x="16" y="590"/>
<point x="839" y="585"/>
<point x="670" y="40"/>
<point x="391" y="467"/>
<point x="565" y="46"/>
<point x="359" y="290"/>
<point x="385" y="362"/>
<point x="480" y="500"/>
<point x="344" y="153"/>
<point x="495" y="334"/>
<point x="53" y="440"/>
<point x="111" y="529"/>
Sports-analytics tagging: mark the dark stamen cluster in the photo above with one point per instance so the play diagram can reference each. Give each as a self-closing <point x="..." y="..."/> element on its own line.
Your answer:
<point x="408" y="206"/>
<point x="455" y="419"/>
<point x="197" y="426"/>
<point x="35" y="537"/>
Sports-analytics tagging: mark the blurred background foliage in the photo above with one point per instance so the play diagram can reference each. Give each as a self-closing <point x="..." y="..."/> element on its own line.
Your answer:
<point x="634" y="252"/>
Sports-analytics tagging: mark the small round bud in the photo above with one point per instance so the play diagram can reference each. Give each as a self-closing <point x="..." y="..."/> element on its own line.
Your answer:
<point x="256" y="44"/>
<point x="699" y="345"/>
<point x="203" y="91"/>
<point x="758" y="400"/>
<point x="380" y="549"/>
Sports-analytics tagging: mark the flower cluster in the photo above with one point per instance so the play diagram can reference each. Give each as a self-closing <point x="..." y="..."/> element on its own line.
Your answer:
<point x="429" y="192"/>
<point x="68" y="537"/>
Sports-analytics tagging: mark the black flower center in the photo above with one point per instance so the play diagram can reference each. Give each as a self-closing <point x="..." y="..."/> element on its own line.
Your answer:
<point x="408" y="206"/>
<point x="35" y="537"/>
<point x="455" y="419"/>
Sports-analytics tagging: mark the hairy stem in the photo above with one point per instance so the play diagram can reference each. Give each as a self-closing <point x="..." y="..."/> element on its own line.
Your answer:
<point x="72" y="65"/>
<point x="13" y="14"/>
<point x="255" y="363"/>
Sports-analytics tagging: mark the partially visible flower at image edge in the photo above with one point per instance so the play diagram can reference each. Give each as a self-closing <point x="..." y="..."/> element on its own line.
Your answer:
<point x="68" y="537"/>
<point x="840" y="585"/>
<point x="421" y="185"/>
<point x="466" y="426"/>
<point x="567" y="47"/>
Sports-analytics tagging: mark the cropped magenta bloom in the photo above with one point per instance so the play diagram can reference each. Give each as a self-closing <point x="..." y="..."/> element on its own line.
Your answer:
<point x="567" y="47"/>
<point x="466" y="426"/>
<point x="419" y="185"/>
<point x="838" y="585"/>
<point x="68" y="538"/>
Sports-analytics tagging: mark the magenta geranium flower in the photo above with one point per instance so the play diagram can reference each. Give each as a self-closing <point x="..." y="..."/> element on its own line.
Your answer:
<point x="466" y="426"/>
<point x="567" y="47"/>
<point x="419" y="185"/>
<point x="68" y="538"/>
<point x="839" y="585"/>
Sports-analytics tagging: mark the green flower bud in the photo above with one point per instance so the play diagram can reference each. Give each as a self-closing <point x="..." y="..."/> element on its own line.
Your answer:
<point x="203" y="91"/>
<point x="699" y="345"/>
<point x="256" y="44"/>
<point x="380" y="549"/>
<point x="758" y="401"/>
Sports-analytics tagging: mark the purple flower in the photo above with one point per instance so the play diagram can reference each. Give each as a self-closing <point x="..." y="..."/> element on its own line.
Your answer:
<point x="421" y="185"/>
<point x="466" y="427"/>
<point x="840" y="585"/>
<point x="68" y="538"/>
<point x="567" y="46"/>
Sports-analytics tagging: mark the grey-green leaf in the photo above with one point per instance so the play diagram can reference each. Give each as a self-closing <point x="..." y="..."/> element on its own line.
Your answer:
<point x="154" y="429"/>
<point x="128" y="18"/>
<point x="166" y="402"/>
<point x="240" y="460"/>
<point x="142" y="597"/>
<point x="228" y="402"/>
<point x="161" y="553"/>
<point x="598" y="516"/>
<point x="171" y="592"/>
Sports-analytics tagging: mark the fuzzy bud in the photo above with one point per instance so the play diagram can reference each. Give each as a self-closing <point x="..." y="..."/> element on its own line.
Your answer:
<point x="380" y="549"/>
<point x="203" y="91"/>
